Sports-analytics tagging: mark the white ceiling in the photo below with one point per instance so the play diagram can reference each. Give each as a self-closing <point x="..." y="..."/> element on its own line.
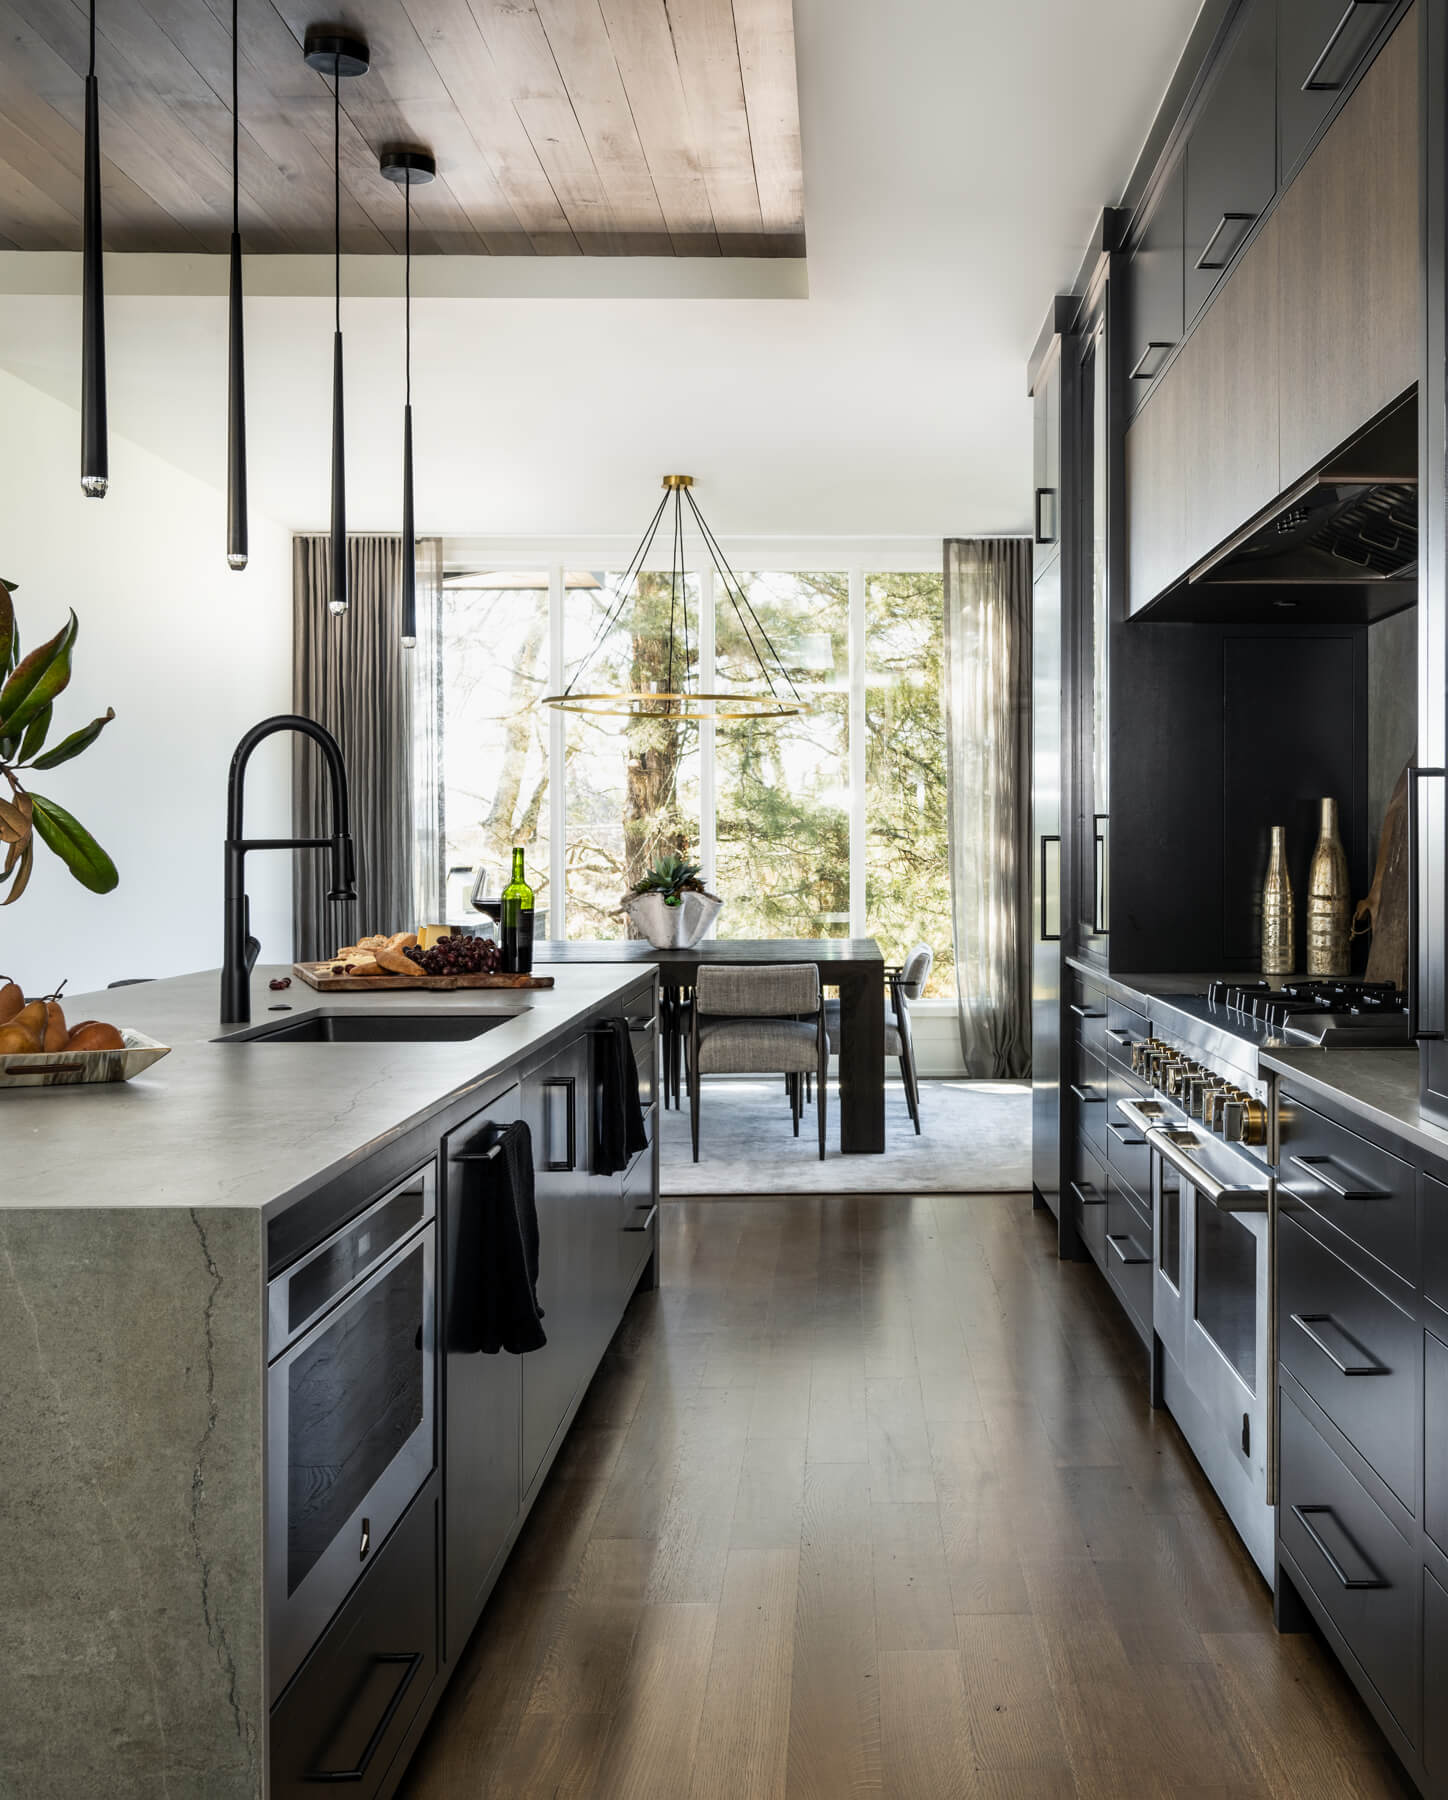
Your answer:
<point x="956" y="153"/>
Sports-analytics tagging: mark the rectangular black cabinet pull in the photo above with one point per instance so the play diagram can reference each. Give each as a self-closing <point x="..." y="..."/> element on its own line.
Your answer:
<point x="1139" y="370"/>
<point x="413" y="1660"/>
<point x="1087" y="1096"/>
<point x="1042" y="535"/>
<point x="1318" y="1327"/>
<point x="1085" y="1012"/>
<point x="1317" y="1167"/>
<point x="1314" y="84"/>
<point x="1047" y="935"/>
<point x="1087" y="1194"/>
<point x="1126" y="1249"/>
<point x="1204" y="261"/>
<point x="1307" y="1516"/>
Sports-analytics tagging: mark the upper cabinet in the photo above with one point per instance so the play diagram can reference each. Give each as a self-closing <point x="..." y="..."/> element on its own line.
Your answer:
<point x="1046" y="401"/>
<point x="1154" y="303"/>
<point x="1350" y="278"/>
<point x="1231" y="156"/>
<point x="1320" y="47"/>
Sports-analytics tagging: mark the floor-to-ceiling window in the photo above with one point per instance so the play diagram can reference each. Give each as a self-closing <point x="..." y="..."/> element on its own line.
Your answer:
<point x="826" y="823"/>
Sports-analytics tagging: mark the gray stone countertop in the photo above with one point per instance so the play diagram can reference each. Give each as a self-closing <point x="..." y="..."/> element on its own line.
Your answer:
<point x="1137" y="990"/>
<point x="1379" y="1086"/>
<point x="250" y="1125"/>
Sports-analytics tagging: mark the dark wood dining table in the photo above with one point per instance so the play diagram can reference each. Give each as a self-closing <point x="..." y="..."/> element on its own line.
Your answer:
<point x="853" y="967"/>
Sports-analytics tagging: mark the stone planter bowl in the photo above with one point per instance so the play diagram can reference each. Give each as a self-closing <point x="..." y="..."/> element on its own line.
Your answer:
<point x="672" y="927"/>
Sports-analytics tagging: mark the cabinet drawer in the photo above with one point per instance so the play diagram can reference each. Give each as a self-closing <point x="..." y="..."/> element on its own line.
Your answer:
<point x="1435" y="1440"/>
<point x="1128" y="1261"/>
<point x="348" y="1709"/>
<point x="1363" y="1575"/>
<point x="1124" y="1027"/>
<point x="1321" y="45"/>
<point x="1127" y="1154"/>
<point x="1087" y="1175"/>
<point x="1088" y="1209"/>
<point x="1435" y="1242"/>
<point x="1088" y="1011"/>
<point x="1362" y="1191"/>
<point x="1091" y="1095"/>
<point x="1435" y="1678"/>
<point x="1353" y="1351"/>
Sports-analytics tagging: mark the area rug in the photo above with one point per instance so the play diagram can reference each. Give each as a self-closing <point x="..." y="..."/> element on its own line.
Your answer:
<point x="975" y="1138"/>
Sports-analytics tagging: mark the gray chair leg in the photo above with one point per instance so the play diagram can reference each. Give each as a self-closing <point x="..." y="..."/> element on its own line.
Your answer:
<point x="822" y="1084"/>
<point x="796" y="1103"/>
<point x="908" y="1080"/>
<point x="694" y="1083"/>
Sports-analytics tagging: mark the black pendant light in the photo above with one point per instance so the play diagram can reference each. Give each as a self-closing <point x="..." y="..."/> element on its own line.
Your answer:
<point x="236" y="349"/>
<point x="337" y="54"/>
<point x="94" y="438"/>
<point x="410" y="169"/>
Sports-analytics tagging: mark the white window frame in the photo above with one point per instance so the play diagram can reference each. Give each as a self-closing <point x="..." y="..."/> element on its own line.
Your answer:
<point x="858" y="559"/>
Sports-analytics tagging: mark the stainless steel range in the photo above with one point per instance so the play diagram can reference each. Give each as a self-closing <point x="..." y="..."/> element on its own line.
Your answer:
<point x="1212" y="1130"/>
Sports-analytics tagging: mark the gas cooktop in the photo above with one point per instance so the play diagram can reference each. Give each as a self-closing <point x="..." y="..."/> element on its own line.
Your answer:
<point x="1330" y="1014"/>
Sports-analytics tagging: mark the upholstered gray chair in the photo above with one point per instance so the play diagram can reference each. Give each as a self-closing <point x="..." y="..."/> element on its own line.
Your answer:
<point x="748" y="1020"/>
<point x="907" y="983"/>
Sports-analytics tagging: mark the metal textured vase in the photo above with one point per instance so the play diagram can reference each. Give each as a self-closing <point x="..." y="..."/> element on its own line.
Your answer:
<point x="672" y="927"/>
<point x="1329" y="901"/>
<point x="1279" y="950"/>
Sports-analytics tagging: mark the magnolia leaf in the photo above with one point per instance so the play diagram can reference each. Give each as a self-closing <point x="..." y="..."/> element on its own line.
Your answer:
<point x="37" y="679"/>
<point x="35" y="734"/>
<point x="9" y="644"/>
<point x="15" y="816"/>
<point x="75" y="846"/>
<point x="76" y="742"/>
<point x="22" y="874"/>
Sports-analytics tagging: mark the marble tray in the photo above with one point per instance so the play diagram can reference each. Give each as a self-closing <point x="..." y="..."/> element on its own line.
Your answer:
<point x="77" y="1068"/>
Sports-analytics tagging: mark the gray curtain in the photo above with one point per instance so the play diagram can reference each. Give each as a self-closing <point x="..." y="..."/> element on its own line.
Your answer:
<point x="988" y="737"/>
<point x="351" y="674"/>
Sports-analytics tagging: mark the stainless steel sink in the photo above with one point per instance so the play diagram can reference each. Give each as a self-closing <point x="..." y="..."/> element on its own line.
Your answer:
<point x="369" y="1028"/>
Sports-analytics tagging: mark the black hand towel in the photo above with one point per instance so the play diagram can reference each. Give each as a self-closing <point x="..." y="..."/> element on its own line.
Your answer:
<point x="494" y="1281"/>
<point x="618" y="1118"/>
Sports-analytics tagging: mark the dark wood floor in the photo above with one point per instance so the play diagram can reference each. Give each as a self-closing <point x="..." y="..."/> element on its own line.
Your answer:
<point x="867" y="1500"/>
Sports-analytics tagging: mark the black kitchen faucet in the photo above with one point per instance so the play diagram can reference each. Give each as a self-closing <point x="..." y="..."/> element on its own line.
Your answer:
<point x="240" y="948"/>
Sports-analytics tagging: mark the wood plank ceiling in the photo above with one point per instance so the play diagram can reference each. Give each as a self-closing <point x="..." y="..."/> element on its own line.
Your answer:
<point x="560" y="127"/>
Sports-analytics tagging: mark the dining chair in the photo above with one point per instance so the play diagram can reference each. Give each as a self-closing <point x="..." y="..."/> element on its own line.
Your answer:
<point x="907" y="983"/>
<point x="759" y="1020"/>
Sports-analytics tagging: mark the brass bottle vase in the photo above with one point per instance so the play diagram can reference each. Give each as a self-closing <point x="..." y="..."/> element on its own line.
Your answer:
<point x="1279" y="948"/>
<point x="1329" y="901"/>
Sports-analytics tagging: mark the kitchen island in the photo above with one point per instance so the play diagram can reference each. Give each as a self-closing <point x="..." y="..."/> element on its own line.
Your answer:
<point x="140" y="1225"/>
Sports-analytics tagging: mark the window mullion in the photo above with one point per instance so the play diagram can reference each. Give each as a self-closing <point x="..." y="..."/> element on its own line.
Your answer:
<point x="857" y="752"/>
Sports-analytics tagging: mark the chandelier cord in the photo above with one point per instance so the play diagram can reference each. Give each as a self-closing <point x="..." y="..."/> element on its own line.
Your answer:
<point x="337" y="183"/>
<point x="630" y="575"/>
<point x="235" y="132"/>
<point x="91" y="70"/>
<point x="407" y="288"/>
<point x="721" y="564"/>
<point x="683" y="585"/>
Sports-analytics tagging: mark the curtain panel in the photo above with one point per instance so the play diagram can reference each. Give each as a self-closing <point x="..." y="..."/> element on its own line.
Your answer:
<point x="988" y="747"/>
<point x="351" y="673"/>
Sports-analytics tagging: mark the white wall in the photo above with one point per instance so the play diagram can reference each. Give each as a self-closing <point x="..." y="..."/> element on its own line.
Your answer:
<point x="189" y="654"/>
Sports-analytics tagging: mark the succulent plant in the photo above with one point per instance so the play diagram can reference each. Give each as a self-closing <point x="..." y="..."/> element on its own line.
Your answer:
<point x="29" y="687"/>
<point x="670" y="876"/>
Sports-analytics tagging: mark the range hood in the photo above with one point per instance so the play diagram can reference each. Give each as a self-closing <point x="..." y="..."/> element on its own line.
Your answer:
<point x="1354" y="519"/>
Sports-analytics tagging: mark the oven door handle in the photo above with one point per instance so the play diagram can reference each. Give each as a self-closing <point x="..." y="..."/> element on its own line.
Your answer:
<point x="1135" y="1113"/>
<point x="1168" y="1144"/>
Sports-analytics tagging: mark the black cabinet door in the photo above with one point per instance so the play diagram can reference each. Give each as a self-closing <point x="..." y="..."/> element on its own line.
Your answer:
<point x="1231" y="157"/>
<point x="1321" y="45"/>
<point x="483" y="1398"/>
<point x="1154" y="317"/>
<point x="1045" y="887"/>
<point x="556" y="1106"/>
<point x="1046" y="401"/>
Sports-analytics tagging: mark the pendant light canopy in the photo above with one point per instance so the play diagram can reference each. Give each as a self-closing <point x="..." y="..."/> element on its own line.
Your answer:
<point x="94" y="437"/>
<point x="337" y="54"/>
<point x="410" y="169"/>
<point x="776" y="698"/>
<point x="236" y="534"/>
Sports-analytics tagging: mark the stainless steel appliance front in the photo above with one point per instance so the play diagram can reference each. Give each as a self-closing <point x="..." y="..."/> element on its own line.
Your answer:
<point x="350" y="1408"/>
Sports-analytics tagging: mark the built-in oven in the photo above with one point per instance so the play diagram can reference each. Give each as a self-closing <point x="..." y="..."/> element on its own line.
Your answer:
<point x="351" y="1385"/>
<point x="1212" y="1309"/>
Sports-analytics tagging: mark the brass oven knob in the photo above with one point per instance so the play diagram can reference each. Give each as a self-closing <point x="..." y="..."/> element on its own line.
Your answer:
<point x="1244" y="1120"/>
<point x="1178" y="1076"/>
<point x="1196" y="1092"/>
<point x="1216" y="1092"/>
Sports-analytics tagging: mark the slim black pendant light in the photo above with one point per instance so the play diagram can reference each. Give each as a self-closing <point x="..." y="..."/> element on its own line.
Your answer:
<point x="337" y="54"/>
<point x="94" y="439"/>
<point x="410" y="169"/>
<point x="236" y="349"/>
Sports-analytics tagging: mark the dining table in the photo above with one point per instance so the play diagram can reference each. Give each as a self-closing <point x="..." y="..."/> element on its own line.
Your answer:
<point x="853" y="967"/>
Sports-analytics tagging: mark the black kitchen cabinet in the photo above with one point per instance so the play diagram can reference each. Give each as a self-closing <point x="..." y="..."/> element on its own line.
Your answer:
<point x="1155" y="293"/>
<point x="1231" y="156"/>
<point x="1321" y="46"/>
<point x="1046" y="998"/>
<point x="483" y="1393"/>
<point x="1046" y="404"/>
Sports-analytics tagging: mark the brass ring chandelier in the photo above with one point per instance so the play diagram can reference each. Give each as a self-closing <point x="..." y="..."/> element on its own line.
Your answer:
<point x="778" y="699"/>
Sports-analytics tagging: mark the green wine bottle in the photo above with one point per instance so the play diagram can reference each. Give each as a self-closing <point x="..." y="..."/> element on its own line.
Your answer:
<point x="518" y="922"/>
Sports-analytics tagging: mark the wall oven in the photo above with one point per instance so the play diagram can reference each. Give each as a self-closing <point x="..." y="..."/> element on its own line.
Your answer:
<point x="1214" y="1354"/>
<point x="351" y="1345"/>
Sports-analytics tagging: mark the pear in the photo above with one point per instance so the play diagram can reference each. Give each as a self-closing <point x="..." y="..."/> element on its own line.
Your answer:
<point x="92" y="1034"/>
<point x="32" y="1019"/>
<point x="12" y="998"/>
<point x="56" y="1029"/>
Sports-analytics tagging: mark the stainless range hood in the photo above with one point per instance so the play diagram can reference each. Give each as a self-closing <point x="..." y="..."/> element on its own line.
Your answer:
<point x="1353" y="520"/>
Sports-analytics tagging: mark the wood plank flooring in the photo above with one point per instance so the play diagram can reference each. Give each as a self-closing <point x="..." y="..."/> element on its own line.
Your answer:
<point x="867" y="1500"/>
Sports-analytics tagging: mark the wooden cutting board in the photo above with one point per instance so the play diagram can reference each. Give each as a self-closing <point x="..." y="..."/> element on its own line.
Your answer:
<point x="319" y="975"/>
